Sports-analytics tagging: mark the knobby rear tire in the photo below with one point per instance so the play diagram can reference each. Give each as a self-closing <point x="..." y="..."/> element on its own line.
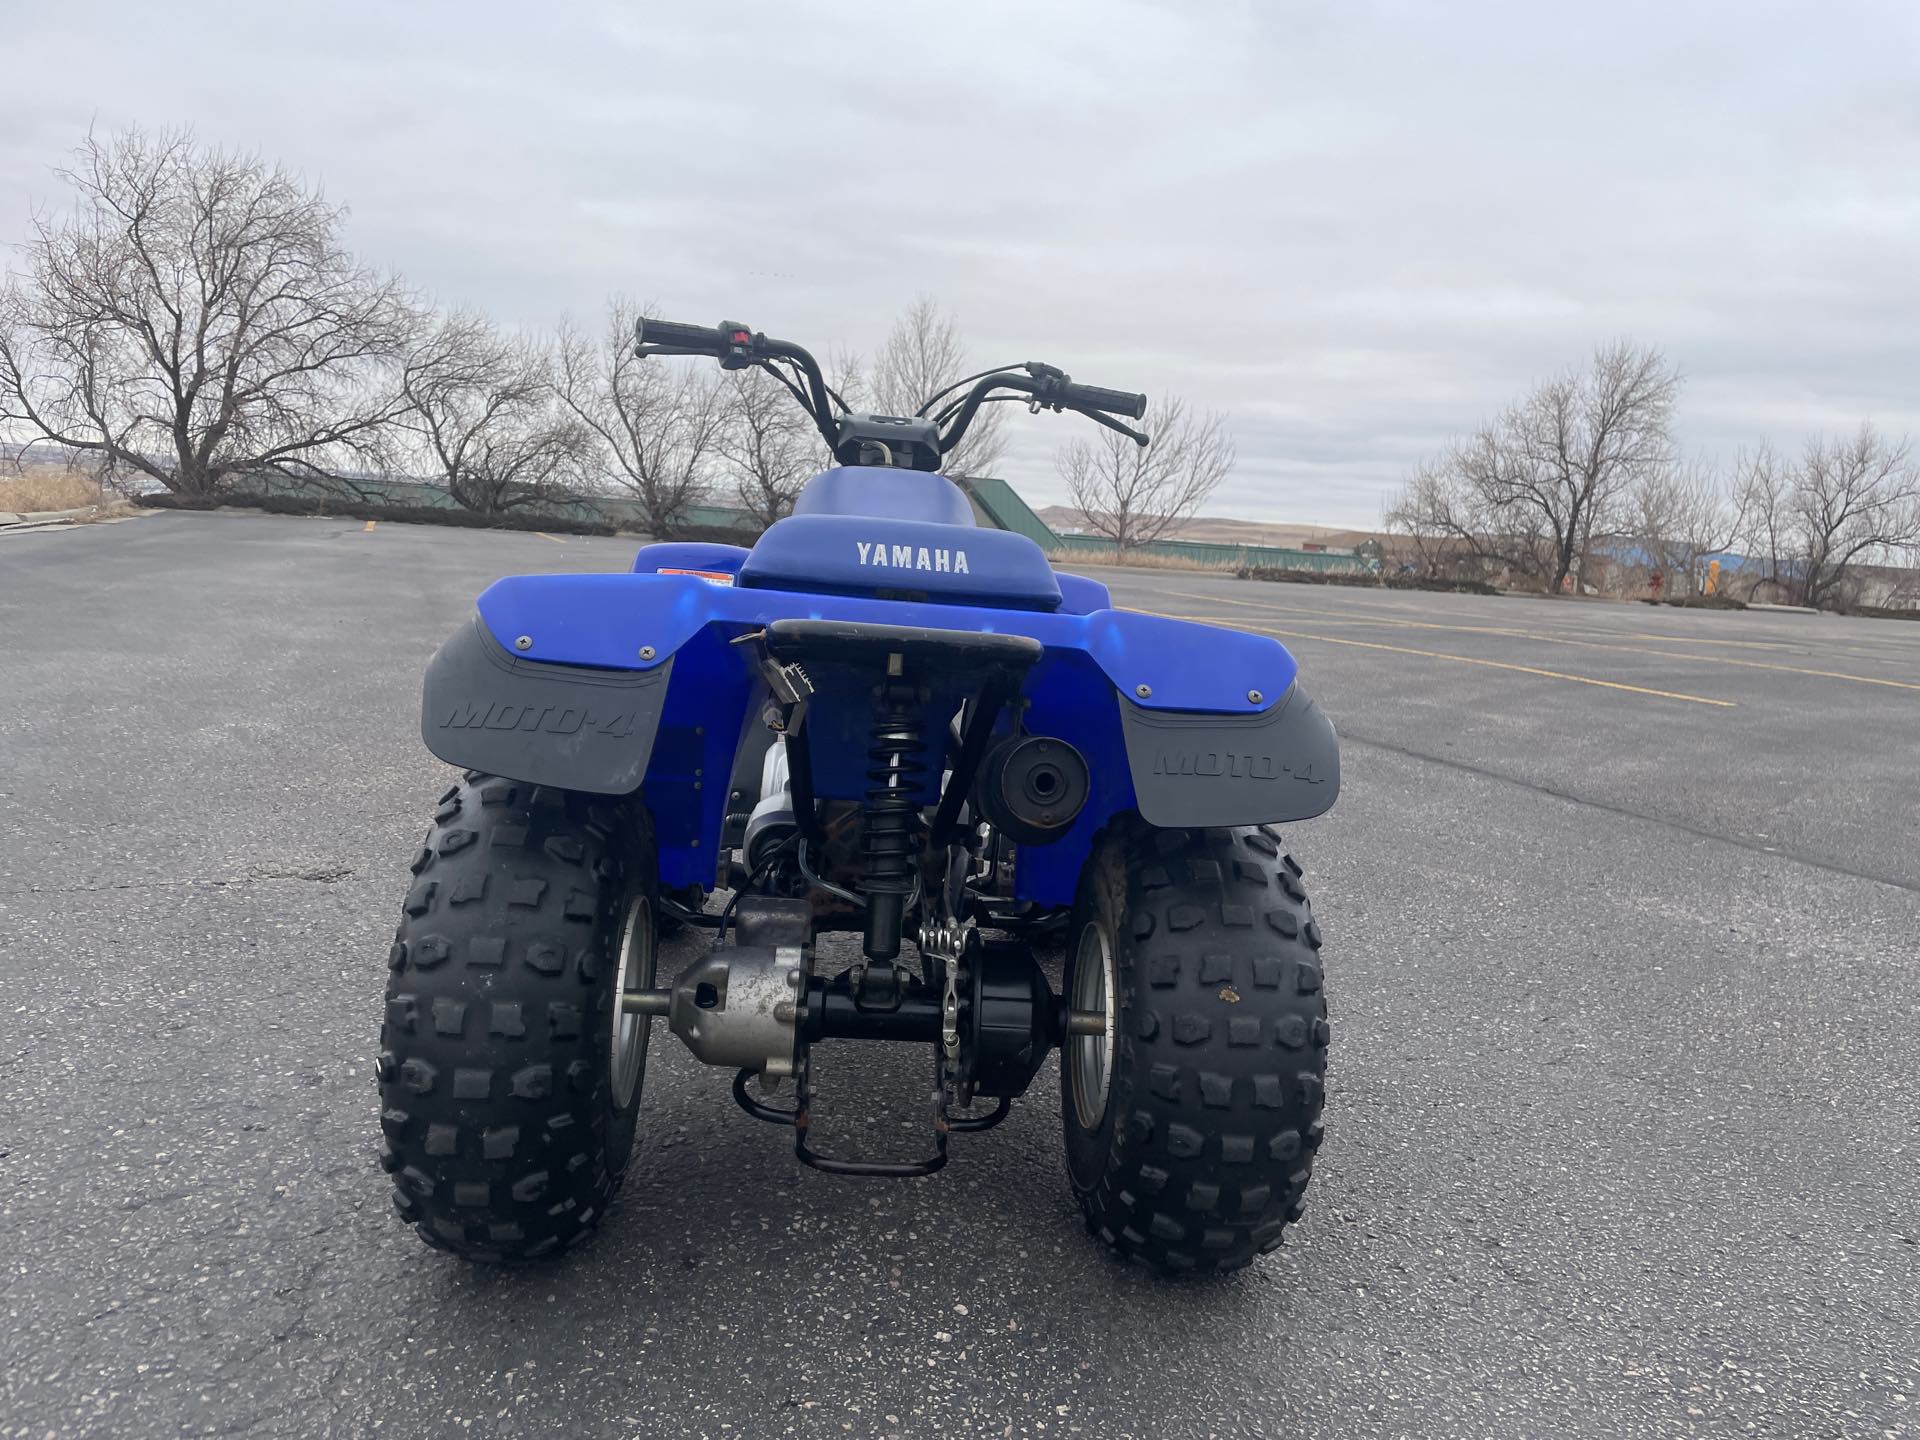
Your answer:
<point x="1214" y="1082"/>
<point x="502" y="1129"/>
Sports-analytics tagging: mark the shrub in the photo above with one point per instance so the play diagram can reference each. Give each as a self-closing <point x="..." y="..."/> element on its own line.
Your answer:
<point x="1369" y="582"/>
<point x="1697" y="602"/>
<point x="373" y="510"/>
<point x="48" y="487"/>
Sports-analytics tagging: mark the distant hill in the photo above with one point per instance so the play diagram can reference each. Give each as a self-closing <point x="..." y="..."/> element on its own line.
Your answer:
<point x="35" y="455"/>
<point x="1222" y="530"/>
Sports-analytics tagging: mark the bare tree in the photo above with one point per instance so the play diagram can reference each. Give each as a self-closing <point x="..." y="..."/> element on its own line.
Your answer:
<point x="196" y="317"/>
<point x="660" y="424"/>
<point x="1133" y="495"/>
<point x="923" y="355"/>
<point x="482" y="414"/>
<point x="1458" y="530"/>
<point x="1845" y="502"/>
<point x="769" y="443"/>
<point x="1766" y="491"/>
<point x="1532" y="489"/>
<point x="1683" y="517"/>
<point x="1854" y="500"/>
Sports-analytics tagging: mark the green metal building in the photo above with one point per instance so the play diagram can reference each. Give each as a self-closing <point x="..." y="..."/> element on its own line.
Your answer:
<point x="995" y="503"/>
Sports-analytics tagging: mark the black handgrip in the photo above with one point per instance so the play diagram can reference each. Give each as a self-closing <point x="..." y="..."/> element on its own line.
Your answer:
<point x="708" y="339"/>
<point x="1093" y="397"/>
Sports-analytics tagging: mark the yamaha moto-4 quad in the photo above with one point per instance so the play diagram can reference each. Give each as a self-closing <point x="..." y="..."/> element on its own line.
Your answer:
<point x="884" y="719"/>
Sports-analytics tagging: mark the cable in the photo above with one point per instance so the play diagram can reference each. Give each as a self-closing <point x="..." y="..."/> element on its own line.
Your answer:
<point x="832" y="394"/>
<point x="821" y="423"/>
<point x="935" y="398"/>
<point x="792" y="389"/>
<point x="726" y="915"/>
<point x="851" y="897"/>
<point x="957" y="405"/>
<point x="827" y="885"/>
<point x="685" y="916"/>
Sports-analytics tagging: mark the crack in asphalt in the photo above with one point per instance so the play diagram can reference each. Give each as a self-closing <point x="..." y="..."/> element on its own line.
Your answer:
<point x="1718" y="836"/>
<point x="267" y="875"/>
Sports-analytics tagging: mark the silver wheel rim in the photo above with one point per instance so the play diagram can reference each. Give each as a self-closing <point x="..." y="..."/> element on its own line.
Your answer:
<point x="630" y="1031"/>
<point x="1090" y="1057"/>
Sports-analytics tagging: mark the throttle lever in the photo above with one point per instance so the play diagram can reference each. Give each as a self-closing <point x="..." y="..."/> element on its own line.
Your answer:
<point x="1052" y="380"/>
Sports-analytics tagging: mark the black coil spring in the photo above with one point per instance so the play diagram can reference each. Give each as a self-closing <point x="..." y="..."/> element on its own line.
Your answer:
<point x="894" y="768"/>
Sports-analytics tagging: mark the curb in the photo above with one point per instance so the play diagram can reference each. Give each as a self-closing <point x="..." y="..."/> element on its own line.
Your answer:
<point x="44" y="517"/>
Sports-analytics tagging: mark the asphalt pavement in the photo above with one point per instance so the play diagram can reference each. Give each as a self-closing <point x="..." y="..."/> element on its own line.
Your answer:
<point x="1622" y="910"/>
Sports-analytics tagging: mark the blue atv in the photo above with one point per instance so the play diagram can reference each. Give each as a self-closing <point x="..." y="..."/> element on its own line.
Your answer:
<point x="882" y="719"/>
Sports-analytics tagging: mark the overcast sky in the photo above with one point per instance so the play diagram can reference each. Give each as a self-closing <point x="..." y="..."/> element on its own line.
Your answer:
<point x="1359" y="228"/>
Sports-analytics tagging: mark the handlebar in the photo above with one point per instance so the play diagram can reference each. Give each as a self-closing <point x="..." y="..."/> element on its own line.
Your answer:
<point x="737" y="347"/>
<point x="1092" y="397"/>
<point x="1050" y="389"/>
<point x="702" y="339"/>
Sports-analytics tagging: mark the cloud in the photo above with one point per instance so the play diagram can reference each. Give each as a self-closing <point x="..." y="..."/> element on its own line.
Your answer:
<point x="1358" y="228"/>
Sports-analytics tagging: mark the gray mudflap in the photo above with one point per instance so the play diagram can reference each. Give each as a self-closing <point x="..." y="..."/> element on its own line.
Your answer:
<point x="1282" y="764"/>
<point x="560" y="725"/>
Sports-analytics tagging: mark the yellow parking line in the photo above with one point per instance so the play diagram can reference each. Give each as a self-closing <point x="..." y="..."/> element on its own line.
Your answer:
<point x="545" y="536"/>
<point x="1475" y="660"/>
<point x="1587" y="644"/>
<point x="1617" y="634"/>
<point x="1711" y="659"/>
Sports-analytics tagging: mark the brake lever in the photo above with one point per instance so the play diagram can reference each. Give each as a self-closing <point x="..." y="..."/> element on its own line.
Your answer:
<point x="644" y="348"/>
<point x="1112" y="424"/>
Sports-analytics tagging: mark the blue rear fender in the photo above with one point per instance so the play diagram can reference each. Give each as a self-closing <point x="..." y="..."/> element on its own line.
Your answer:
<point x="611" y="683"/>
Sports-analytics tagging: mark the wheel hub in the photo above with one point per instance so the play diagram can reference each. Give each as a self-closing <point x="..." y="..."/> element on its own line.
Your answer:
<point x="631" y="1029"/>
<point x="1090" y="1056"/>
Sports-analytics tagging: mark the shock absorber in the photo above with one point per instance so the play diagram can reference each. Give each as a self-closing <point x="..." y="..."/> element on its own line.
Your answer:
<point x="890" y="840"/>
